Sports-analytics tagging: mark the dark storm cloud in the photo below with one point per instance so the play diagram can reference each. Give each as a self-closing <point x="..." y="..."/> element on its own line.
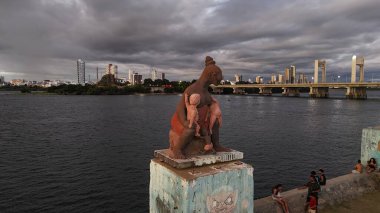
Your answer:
<point x="42" y="39"/>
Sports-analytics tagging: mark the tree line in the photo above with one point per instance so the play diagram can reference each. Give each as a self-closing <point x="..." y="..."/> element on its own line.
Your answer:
<point x="110" y="87"/>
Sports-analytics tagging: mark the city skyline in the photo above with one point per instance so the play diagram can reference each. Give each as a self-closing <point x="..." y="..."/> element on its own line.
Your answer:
<point x="175" y="36"/>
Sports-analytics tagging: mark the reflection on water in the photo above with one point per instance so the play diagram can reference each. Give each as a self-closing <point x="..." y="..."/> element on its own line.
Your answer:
<point x="92" y="153"/>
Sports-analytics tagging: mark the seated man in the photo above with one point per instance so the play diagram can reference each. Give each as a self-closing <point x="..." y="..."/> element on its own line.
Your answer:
<point x="358" y="168"/>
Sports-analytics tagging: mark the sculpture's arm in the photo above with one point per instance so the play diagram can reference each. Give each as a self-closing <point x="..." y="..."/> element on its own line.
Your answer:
<point x="212" y="122"/>
<point x="187" y="103"/>
<point x="181" y="112"/>
<point x="220" y="120"/>
<point x="214" y="100"/>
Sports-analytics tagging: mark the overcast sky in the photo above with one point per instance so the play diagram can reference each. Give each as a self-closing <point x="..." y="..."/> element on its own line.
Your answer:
<point x="42" y="39"/>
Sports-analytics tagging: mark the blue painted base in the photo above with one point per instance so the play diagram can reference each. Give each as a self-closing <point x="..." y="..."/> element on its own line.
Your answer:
<point x="370" y="147"/>
<point x="223" y="187"/>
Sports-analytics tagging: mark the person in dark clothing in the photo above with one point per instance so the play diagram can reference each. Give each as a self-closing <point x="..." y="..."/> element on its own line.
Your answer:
<point x="312" y="189"/>
<point x="313" y="173"/>
<point x="313" y="204"/>
<point x="322" y="177"/>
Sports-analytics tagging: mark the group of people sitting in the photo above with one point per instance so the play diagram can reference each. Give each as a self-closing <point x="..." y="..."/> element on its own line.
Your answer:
<point x="313" y="186"/>
<point x="370" y="167"/>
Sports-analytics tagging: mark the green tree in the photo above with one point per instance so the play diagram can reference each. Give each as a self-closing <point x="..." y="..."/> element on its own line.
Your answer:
<point x="148" y="82"/>
<point x="25" y="89"/>
<point x="165" y="82"/>
<point x="158" y="82"/>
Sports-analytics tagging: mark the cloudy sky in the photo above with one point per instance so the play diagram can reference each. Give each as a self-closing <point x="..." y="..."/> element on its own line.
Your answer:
<point x="41" y="39"/>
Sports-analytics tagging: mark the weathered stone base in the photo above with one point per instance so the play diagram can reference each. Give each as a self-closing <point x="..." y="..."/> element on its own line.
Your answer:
<point x="223" y="187"/>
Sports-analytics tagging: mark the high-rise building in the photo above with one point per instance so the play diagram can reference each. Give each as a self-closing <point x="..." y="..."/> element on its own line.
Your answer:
<point x="162" y="76"/>
<point x="97" y="74"/>
<point x="154" y="74"/>
<point x="238" y="78"/>
<point x="81" y="71"/>
<point x="111" y="69"/>
<point x="280" y="79"/>
<point x="287" y="75"/>
<point x="115" y="70"/>
<point x="292" y="74"/>
<point x="136" y="79"/>
<point x="302" y="78"/>
<point x="259" y="79"/>
<point x="130" y="76"/>
<point x="273" y="79"/>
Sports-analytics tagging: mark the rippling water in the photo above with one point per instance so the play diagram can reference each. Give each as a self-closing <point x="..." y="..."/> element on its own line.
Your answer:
<point x="92" y="153"/>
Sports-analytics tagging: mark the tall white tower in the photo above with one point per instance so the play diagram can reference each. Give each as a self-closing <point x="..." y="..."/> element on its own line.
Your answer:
<point x="293" y="74"/>
<point x="317" y="65"/>
<point x="81" y="71"/>
<point x="357" y="60"/>
<point x="154" y="74"/>
<point x="130" y="76"/>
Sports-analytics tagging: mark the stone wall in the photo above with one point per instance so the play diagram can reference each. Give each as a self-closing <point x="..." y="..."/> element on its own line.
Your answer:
<point x="337" y="190"/>
<point x="370" y="146"/>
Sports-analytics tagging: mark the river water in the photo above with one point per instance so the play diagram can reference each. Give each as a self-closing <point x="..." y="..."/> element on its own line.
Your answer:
<point x="92" y="153"/>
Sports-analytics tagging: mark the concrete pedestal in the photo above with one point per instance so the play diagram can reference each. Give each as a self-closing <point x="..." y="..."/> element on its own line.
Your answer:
<point x="199" y="160"/>
<point x="356" y="93"/>
<point x="217" y="90"/>
<point x="319" y="92"/>
<point x="370" y="147"/>
<point x="222" y="187"/>
<point x="265" y="91"/>
<point x="239" y="91"/>
<point x="291" y="92"/>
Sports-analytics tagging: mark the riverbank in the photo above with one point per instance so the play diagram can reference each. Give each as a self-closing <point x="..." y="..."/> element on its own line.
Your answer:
<point x="44" y="93"/>
<point x="336" y="194"/>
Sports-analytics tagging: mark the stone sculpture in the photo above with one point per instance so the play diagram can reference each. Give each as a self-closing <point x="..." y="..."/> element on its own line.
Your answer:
<point x="183" y="142"/>
<point x="192" y="112"/>
<point x="215" y="114"/>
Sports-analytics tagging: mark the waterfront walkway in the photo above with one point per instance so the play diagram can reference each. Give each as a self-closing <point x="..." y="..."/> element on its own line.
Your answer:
<point x="368" y="203"/>
<point x="359" y="193"/>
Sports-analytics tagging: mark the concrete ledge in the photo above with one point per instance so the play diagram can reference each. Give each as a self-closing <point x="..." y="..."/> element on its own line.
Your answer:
<point x="199" y="160"/>
<point x="337" y="190"/>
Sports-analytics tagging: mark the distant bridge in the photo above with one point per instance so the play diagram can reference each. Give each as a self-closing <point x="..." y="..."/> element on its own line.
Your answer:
<point x="356" y="90"/>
